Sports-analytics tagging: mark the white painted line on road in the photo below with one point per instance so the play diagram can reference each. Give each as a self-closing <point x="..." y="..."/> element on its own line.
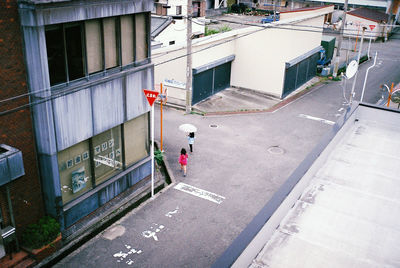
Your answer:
<point x="317" y="119"/>
<point x="199" y="193"/>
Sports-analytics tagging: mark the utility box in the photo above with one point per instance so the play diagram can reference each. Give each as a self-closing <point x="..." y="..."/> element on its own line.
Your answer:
<point x="328" y="43"/>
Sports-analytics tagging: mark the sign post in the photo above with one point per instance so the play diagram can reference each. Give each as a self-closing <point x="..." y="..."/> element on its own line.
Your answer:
<point x="151" y="97"/>
<point x="371" y="26"/>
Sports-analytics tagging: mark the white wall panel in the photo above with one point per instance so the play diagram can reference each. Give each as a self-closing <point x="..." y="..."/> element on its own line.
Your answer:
<point x="136" y="103"/>
<point x="72" y="118"/>
<point x="108" y="106"/>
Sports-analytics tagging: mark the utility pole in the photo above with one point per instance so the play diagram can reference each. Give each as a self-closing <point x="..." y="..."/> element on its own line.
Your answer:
<point x="189" y="57"/>
<point x="339" y="47"/>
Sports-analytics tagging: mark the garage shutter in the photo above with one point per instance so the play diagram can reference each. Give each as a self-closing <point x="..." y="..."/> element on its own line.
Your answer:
<point x="222" y="77"/>
<point x="202" y="85"/>
<point x="208" y="82"/>
<point x="298" y="74"/>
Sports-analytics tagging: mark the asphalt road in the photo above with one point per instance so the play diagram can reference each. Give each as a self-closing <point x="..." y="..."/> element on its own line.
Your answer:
<point x="241" y="160"/>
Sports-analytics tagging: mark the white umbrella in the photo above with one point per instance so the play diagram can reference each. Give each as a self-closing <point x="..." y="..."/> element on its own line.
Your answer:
<point x="187" y="128"/>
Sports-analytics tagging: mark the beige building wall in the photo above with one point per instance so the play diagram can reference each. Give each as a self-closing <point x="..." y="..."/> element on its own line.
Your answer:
<point x="260" y="65"/>
<point x="260" y="56"/>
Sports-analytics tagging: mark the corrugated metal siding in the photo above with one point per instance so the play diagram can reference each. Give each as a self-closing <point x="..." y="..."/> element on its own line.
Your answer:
<point x="299" y="73"/>
<point x="108" y="106"/>
<point x="44" y="128"/>
<point x="32" y="15"/>
<point x="82" y="209"/>
<point x="136" y="103"/>
<point x="73" y="118"/>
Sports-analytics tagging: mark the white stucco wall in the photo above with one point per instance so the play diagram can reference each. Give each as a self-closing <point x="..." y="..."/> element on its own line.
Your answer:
<point x="355" y="24"/>
<point x="260" y="56"/>
<point x="177" y="32"/>
<point x="260" y="65"/>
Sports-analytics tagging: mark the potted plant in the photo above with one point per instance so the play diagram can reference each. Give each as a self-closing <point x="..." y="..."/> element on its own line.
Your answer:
<point x="43" y="238"/>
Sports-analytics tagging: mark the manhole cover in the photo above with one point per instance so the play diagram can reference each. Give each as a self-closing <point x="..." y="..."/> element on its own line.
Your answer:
<point x="213" y="126"/>
<point x="275" y="150"/>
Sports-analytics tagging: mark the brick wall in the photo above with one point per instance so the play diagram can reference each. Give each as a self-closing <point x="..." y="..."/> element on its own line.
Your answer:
<point x="16" y="127"/>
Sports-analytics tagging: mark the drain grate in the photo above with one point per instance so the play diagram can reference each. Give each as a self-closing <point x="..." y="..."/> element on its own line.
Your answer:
<point x="275" y="150"/>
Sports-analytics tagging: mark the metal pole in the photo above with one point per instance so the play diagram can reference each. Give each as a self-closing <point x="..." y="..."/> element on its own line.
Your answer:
<point x="366" y="76"/>
<point x="152" y="151"/>
<point x="161" y="119"/>
<point x="189" y="58"/>
<point x="11" y="213"/>
<point x="390" y="95"/>
<point x="369" y="45"/>
<point x="358" y="61"/>
<point x="339" y="47"/>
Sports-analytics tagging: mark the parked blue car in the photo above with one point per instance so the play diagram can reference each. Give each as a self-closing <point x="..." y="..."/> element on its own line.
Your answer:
<point x="270" y="18"/>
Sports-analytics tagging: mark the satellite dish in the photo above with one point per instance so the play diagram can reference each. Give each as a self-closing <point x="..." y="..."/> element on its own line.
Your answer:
<point x="351" y="69"/>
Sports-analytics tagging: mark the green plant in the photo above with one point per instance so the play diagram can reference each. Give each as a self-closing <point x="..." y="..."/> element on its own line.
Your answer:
<point x="158" y="155"/>
<point x="42" y="233"/>
<point x="224" y="28"/>
<point x="209" y="31"/>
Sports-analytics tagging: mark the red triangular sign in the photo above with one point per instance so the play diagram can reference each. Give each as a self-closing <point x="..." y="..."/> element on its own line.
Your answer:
<point x="150" y="95"/>
<point x="371" y="26"/>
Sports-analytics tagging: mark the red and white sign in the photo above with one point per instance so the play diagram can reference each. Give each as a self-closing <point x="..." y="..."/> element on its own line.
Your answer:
<point x="372" y="26"/>
<point x="150" y="95"/>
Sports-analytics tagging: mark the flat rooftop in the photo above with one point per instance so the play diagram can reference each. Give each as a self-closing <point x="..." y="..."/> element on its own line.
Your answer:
<point x="345" y="210"/>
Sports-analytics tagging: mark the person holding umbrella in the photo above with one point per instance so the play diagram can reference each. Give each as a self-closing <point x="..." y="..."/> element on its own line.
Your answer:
<point x="189" y="128"/>
<point x="191" y="141"/>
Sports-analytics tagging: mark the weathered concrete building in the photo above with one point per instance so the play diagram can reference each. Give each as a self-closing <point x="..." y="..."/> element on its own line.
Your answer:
<point x="87" y="63"/>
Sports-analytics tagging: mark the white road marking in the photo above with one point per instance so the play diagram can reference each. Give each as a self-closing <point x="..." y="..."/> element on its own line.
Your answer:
<point x="199" y="193"/>
<point x="121" y="256"/>
<point x="317" y="119"/>
<point x="169" y="214"/>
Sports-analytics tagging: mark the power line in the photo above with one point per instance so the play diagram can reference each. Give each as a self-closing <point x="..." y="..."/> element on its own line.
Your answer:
<point x="77" y="88"/>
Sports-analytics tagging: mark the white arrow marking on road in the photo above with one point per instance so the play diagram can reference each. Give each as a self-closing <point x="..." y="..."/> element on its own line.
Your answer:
<point x="317" y="119"/>
<point x="199" y="193"/>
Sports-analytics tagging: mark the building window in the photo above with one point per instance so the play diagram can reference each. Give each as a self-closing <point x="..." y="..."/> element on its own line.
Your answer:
<point x="127" y="39"/>
<point x="76" y="50"/>
<point x="55" y="55"/>
<point x="178" y="10"/>
<point x="171" y="42"/>
<point x="86" y="165"/>
<point x="141" y="22"/>
<point x="110" y="42"/>
<point x="74" y="47"/>
<point x="106" y="146"/>
<point x="75" y="171"/>
<point x="137" y="146"/>
<point x="94" y="46"/>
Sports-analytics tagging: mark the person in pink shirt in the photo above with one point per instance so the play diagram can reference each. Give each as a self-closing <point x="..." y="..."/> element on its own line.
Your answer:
<point x="183" y="161"/>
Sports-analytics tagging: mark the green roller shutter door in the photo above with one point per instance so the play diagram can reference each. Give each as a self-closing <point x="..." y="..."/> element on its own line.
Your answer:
<point x="300" y="73"/>
<point x="202" y="85"/>
<point x="209" y="82"/>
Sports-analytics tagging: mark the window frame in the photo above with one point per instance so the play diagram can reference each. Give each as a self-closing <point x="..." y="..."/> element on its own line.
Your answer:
<point x="104" y="72"/>
<point x="124" y="170"/>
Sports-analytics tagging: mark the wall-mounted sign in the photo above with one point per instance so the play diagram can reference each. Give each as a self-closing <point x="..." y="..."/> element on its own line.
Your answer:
<point x="174" y="83"/>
